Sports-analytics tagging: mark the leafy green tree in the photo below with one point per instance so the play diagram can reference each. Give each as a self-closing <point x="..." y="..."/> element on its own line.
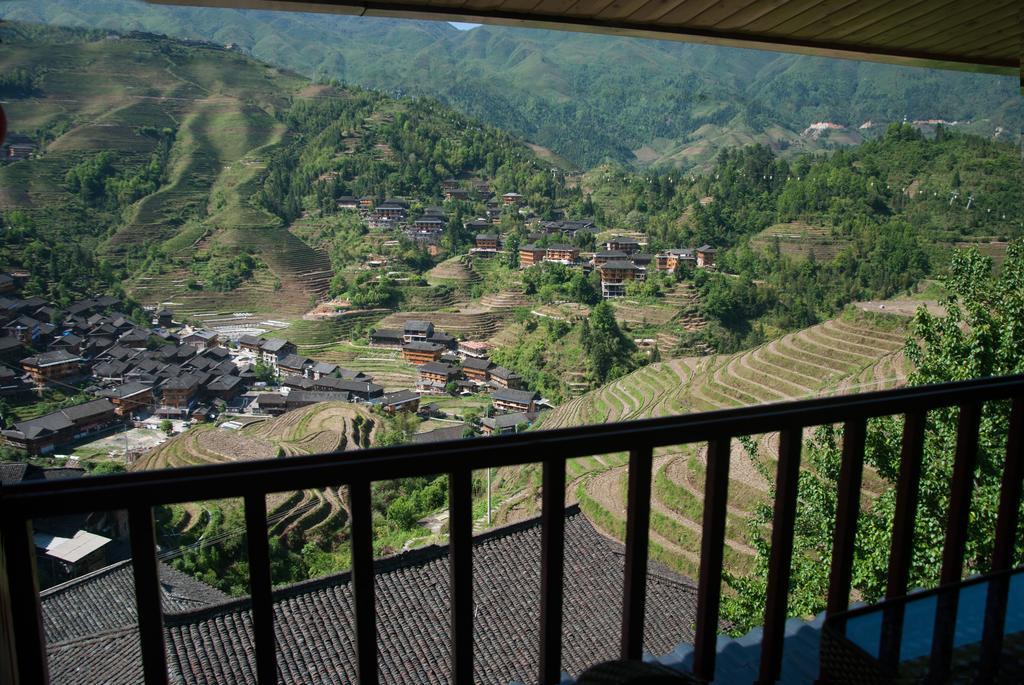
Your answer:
<point x="166" y="426"/>
<point x="609" y="351"/>
<point x="981" y="335"/>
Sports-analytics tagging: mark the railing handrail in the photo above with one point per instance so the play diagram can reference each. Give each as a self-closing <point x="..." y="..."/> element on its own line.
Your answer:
<point x="138" y="493"/>
<point x="236" y="479"/>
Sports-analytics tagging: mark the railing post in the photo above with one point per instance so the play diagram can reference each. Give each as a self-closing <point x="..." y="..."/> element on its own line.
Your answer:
<point x="24" y="643"/>
<point x="901" y="547"/>
<point x="460" y="564"/>
<point x="638" y="518"/>
<point x="956" y="537"/>
<point x="552" y="563"/>
<point x="787" y="483"/>
<point x="851" y="471"/>
<point x="260" y="588"/>
<point x="363" y="581"/>
<point x="712" y="549"/>
<point x="1007" y="524"/>
<point x="147" y="594"/>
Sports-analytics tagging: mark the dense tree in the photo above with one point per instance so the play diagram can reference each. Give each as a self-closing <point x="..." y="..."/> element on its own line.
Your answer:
<point x="981" y="334"/>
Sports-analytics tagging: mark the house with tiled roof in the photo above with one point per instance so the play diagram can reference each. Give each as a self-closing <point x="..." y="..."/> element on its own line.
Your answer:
<point x="508" y="399"/>
<point x="91" y="637"/>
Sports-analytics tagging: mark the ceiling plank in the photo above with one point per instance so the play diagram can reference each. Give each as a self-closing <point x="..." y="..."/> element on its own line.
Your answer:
<point x="654" y="10"/>
<point x="620" y="9"/>
<point x="564" y="15"/>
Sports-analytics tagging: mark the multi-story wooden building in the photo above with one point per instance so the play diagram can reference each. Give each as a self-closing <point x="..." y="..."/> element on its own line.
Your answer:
<point x="616" y="275"/>
<point x="505" y="378"/>
<point x="531" y="254"/>
<point x="421" y="352"/>
<point x="608" y="256"/>
<point x="508" y="399"/>
<point x="52" y="366"/>
<point x="564" y="254"/>
<point x="622" y="244"/>
<point x="706" y="256"/>
<point x="487" y="241"/>
<point x="512" y="199"/>
<point x="669" y="260"/>
<point x="477" y="369"/>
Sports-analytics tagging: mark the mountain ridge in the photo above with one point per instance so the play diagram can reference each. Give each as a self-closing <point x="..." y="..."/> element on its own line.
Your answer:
<point x="628" y="94"/>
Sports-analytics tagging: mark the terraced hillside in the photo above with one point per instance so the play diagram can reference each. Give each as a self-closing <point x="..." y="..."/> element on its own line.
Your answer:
<point x="324" y="427"/>
<point x="474" y="323"/>
<point x="386" y="367"/>
<point x="799" y="240"/>
<point x="847" y="354"/>
<point x="457" y="271"/>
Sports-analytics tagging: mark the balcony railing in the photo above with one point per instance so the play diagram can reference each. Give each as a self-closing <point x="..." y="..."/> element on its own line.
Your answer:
<point x="138" y="493"/>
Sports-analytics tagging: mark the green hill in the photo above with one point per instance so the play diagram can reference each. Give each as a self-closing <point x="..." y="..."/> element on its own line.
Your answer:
<point x="638" y="100"/>
<point x="179" y="170"/>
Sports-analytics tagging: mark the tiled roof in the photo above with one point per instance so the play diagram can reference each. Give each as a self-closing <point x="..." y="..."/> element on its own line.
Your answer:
<point x="105" y="600"/>
<point x="314" y="622"/>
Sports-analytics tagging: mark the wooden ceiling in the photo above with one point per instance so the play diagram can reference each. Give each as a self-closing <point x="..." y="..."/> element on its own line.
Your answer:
<point x="977" y="35"/>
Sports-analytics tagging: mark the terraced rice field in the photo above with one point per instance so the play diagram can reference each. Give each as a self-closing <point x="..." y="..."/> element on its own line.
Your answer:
<point x="839" y="356"/>
<point x="476" y="323"/>
<point x="800" y="240"/>
<point x="455" y="271"/>
<point x="323" y="427"/>
<point x="385" y="366"/>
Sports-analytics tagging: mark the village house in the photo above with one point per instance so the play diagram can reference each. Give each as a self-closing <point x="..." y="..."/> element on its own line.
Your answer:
<point x="69" y="342"/>
<point x="386" y="337"/>
<point x="178" y="395"/>
<point x="429" y="223"/>
<point x="226" y="387"/>
<point x="434" y="376"/>
<point x="487" y="241"/>
<point x="456" y="195"/>
<point x="401" y="400"/>
<point x="130" y="397"/>
<point x="52" y="366"/>
<point x="202" y="339"/>
<point x="473" y="348"/>
<point x="616" y="275"/>
<point x="477" y="369"/>
<point x="531" y="254"/>
<point x="505" y="378"/>
<point x="42" y="434"/>
<point x="421" y="352"/>
<point x="275" y="403"/>
<point x="393" y="208"/>
<point x="511" y="400"/>
<point x="449" y="184"/>
<point x="363" y="389"/>
<point x="165" y="318"/>
<point x="512" y="199"/>
<point x="294" y="364"/>
<point x="347" y="202"/>
<point x="706" y="256"/>
<point x="417" y="330"/>
<point x="669" y="260"/>
<point x="506" y="423"/>
<point x="622" y="244"/>
<point x="563" y="254"/>
<point x="608" y="256"/>
<point x="366" y="202"/>
<point x="275" y="349"/>
<point x="11" y="348"/>
<point x="641" y="259"/>
<point x="250" y="343"/>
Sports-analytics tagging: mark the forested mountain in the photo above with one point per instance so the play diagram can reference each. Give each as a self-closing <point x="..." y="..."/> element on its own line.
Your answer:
<point x="164" y="166"/>
<point x="638" y="100"/>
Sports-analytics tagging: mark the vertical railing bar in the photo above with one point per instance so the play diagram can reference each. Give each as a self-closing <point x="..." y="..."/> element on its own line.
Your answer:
<point x="260" y="588"/>
<point x="965" y="459"/>
<point x="712" y="550"/>
<point x="851" y="471"/>
<point x="460" y="560"/>
<point x="21" y="595"/>
<point x="147" y="594"/>
<point x="552" y="570"/>
<point x="638" y="517"/>
<point x="1007" y="523"/>
<point x="363" y="590"/>
<point x="787" y="482"/>
<point x="901" y="547"/>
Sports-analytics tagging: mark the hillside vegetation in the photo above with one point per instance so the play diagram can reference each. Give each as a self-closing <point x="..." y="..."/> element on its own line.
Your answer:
<point x="637" y="100"/>
<point x="177" y="171"/>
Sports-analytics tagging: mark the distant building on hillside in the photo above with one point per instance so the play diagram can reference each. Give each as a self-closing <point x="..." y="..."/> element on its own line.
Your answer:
<point x="507" y="399"/>
<point x="621" y="244"/>
<point x="421" y="352"/>
<point x="531" y="254"/>
<point x="616" y="275"/>
<point x="706" y="256"/>
<point x="669" y="260"/>
<point x="563" y="254"/>
<point x="52" y="366"/>
<point x="512" y="199"/>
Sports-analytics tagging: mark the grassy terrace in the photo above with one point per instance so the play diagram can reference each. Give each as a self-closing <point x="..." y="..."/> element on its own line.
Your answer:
<point x="847" y="354"/>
